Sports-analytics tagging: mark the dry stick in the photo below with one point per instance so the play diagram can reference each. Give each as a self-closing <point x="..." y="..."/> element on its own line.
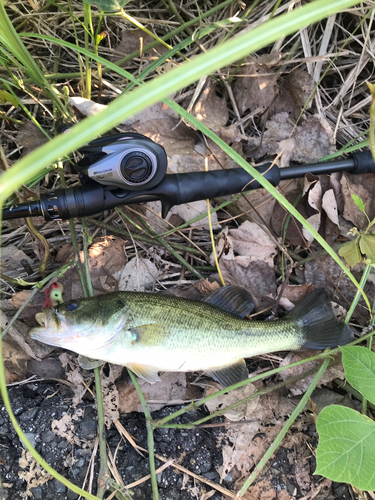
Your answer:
<point x="150" y="436"/>
<point x="271" y="450"/>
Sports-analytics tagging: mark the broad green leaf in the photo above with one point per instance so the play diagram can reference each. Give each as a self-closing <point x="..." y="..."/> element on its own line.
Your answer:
<point x="346" y="450"/>
<point x="367" y="245"/>
<point x="359" y="202"/>
<point x="359" y="364"/>
<point x="350" y="252"/>
<point x="108" y="5"/>
<point x="7" y="97"/>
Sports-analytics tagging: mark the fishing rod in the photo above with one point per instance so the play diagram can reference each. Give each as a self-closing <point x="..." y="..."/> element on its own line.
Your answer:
<point x="130" y="168"/>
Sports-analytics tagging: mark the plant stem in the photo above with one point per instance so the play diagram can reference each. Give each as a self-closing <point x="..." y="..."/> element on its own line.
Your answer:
<point x="150" y="436"/>
<point x="222" y="411"/>
<point x="141" y="237"/>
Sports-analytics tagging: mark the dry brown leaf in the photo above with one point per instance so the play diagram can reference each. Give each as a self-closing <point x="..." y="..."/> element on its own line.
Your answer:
<point x="15" y="362"/>
<point x="20" y="297"/>
<point x="329" y="205"/>
<point x="80" y="379"/>
<point x="185" y="212"/>
<point x="212" y="110"/>
<point x="30" y="137"/>
<point x="138" y="275"/>
<point x="252" y="267"/>
<point x="66" y="426"/>
<point x="295" y="293"/>
<point x="18" y="336"/>
<point x="364" y="187"/>
<point x="132" y="40"/>
<point x="106" y="256"/>
<point x="301" y="386"/>
<point x="11" y="258"/>
<point x="171" y="390"/>
<point x="65" y="253"/>
<point x="33" y="474"/>
<point x="241" y="412"/>
<point x="310" y="140"/>
<point x="256" y="87"/>
<point x="205" y="287"/>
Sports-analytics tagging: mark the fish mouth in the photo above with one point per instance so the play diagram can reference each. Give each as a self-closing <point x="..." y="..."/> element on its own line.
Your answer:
<point x="50" y="332"/>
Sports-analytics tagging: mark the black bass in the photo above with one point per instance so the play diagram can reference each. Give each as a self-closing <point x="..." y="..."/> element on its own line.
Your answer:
<point x="149" y="333"/>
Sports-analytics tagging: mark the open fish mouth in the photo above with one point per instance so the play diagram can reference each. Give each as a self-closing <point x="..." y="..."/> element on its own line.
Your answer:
<point x="50" y="331"/>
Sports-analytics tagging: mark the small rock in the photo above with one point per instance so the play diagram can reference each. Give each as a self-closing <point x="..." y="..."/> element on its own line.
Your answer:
<point x="48" y="436"/>
<point x="37" y="492"/>
<point x="58" y="487"/>
<point x="29" y="415"/>
<point x="31" y="437"/>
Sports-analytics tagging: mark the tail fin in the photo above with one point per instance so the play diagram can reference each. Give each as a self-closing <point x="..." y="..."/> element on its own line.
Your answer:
<point x="320" y="327"/>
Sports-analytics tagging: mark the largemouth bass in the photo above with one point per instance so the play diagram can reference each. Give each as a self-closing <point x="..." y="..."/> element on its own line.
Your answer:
<point x="149" y="333"/>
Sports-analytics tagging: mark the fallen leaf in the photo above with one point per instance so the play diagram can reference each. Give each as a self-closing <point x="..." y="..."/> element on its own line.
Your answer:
<point x="33" y="474"/>
<point x="308" y="142"/>
<point x="18" y="335"/>
<point x="255" y="87"/>
<point x="30" y="137"/>
<point x="212" y="111"/>
<point x="66" y="426"/>
<point x="252" y="241"/>
<point x="138" y="275"/>
<point x="301" y="386"/>
<point x="246" y="258"/>
<point x="364" y="187"/>
<point x="20" y="297"/>
<point x="329" y="205"/>
<point x="170" y="390"/>
<point x="132" y="40"/>
<point x="11" y="258"/>
<point x="15" y="362"/>
<point x="80" y="379"/>
<point x="241" y="412"/>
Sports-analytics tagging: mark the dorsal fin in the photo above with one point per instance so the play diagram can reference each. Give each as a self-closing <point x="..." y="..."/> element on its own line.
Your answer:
<point x="233" y="299"/>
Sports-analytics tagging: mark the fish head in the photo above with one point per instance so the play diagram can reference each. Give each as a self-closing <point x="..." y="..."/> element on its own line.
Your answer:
<point x="83" y="325"/>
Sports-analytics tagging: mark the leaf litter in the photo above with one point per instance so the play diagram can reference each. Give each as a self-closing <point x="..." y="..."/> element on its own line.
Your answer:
<point x="273" y="96"/>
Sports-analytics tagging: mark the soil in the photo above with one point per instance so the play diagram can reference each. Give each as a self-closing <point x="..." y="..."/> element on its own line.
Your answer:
<point x="37" y="404"/>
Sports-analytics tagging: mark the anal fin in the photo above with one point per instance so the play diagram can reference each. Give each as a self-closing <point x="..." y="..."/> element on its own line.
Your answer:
<point x="148" y="373"/>
<point x="232" y="374"/>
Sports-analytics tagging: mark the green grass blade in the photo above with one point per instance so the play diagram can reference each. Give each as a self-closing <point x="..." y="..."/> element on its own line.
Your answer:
<point x="125" y="106"/>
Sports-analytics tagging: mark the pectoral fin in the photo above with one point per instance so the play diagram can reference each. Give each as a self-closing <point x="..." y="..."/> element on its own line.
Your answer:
<point x="148" y="334"/>
<point x="229" y="375"/>
<point x="148" y="373"/>
<point x="88" y="363"/>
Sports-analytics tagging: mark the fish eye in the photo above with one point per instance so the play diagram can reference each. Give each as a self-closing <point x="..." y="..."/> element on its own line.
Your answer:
<point x="71" y="306"/>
